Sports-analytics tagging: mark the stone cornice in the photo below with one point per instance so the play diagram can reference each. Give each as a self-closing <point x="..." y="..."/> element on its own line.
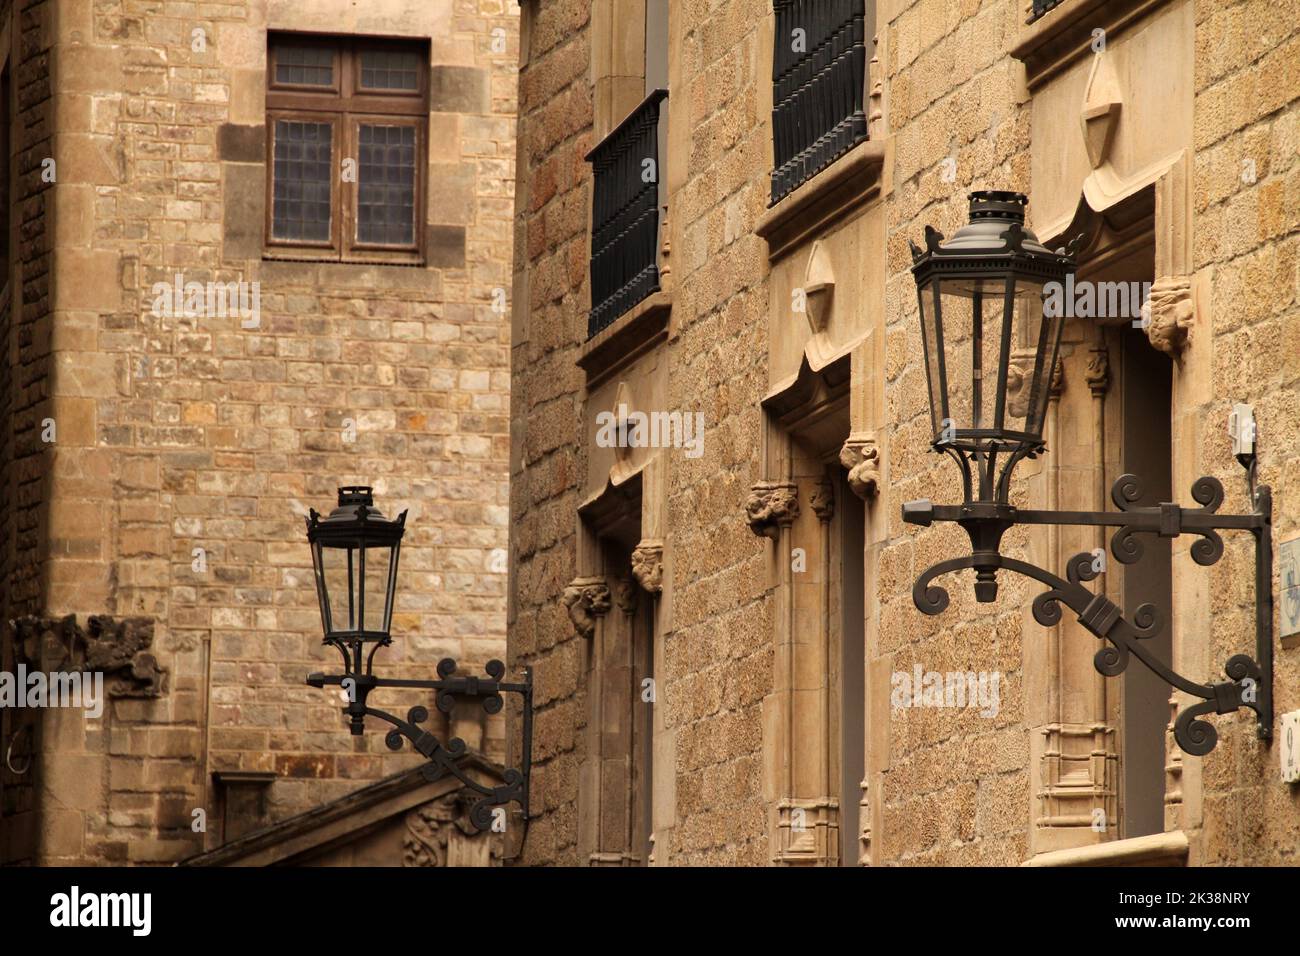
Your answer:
<point x="633" y="333"/>
<point x="843" y="186"/>
<point x="1064" y="34"/>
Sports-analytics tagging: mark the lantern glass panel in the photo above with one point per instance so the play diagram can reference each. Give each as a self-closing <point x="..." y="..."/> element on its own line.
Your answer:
<point x="379" y="563"/>
<point x="982" y="353"/>
<point x="341" y="569"/>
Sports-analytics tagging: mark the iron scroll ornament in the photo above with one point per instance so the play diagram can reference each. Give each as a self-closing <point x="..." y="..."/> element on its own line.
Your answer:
<point x="445" y="759"/>
<point x="1250" y="679"/>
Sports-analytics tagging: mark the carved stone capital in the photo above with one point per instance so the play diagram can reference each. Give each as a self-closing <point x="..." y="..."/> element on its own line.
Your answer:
<point x="1172" y="312"/>
<point x="862" y="459"/>
<point x="586" y="599"/>
<point x="770" y="505"/>
<point x="648" y="565"/>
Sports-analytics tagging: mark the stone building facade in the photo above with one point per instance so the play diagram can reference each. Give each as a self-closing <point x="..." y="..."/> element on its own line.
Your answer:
<point x="255" y="250"/>
<point x="722" y="631"/>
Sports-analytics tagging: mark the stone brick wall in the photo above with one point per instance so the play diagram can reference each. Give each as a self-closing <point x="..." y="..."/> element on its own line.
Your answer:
<point x="953" y="91"/>
<point x="551" y="291"/>
<point x="183" y="433"/>
<point x="25" y="459"/>
<point x="1247" y="111"/>
<point x="956" y="789"/>
<point x="718" y="660"/>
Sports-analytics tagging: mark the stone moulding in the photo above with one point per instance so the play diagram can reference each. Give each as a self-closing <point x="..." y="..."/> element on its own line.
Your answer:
<point x="587" y="599"/>
<point x="770" y="505"/>
<point x="120" y="648"/>
<point x="648" y="565"/>
<point x="862" y="459"/>
<point x="842" y="187"/>
<point x="631" y="335"/>
<point x="1052" y="42"/>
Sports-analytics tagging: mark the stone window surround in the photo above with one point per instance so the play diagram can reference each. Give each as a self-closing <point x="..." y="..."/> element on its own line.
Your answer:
<point x="345" y="108"/>
<point x="242" y="153"/>
<point x="851" y="180"/>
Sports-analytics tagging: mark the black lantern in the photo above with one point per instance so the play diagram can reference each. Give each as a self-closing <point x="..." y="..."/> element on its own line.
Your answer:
<point x="991" y="323"/>
<point x="990" y="344"/>
<point x="355" y="553"/>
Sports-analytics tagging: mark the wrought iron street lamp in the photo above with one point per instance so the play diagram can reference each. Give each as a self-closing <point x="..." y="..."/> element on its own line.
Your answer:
<point x="990" y="350"/>
<point x="355" y="553"/>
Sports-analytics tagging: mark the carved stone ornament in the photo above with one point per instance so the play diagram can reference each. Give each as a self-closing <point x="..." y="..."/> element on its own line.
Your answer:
<point x="1171" y="314"/>
<point x="120" y="649"/>
<point x="822" y="500"/>
<point x="1097" y="374"/>
<point x="770" y="505"/>
<point x="425" y="841"/>
<point x="1019" y="380"/>
<point x="625" y="595"/>
<point x="819" y="287"/>
<point x="1102" y="102"/>
<point x="586" y="599"/>
<point x="432" y="826"/>
<point x="860" y="456"/>
<point x="648" y="565"/>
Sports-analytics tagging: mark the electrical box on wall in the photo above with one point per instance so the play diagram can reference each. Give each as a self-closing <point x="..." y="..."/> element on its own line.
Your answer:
<point x="1289" y="751"/>
<point x="1288" y="568"/>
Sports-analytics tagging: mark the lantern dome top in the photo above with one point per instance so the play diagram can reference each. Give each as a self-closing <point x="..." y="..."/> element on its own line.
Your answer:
<point x="995" y="233"/>
<point x="356" y="515"/>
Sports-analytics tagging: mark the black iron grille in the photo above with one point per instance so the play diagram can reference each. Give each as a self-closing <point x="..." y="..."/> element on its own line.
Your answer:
<point x="625" y="215"/>
<point x="818" y="76"/>
<point x="1042" y="6"/>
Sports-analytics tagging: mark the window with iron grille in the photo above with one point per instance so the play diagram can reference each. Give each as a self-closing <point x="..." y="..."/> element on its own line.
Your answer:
<point x="346" y="153"/>
<point x="625" y="214"/>
<point x="819" y="63"/>
<point x="1041" y="7"/>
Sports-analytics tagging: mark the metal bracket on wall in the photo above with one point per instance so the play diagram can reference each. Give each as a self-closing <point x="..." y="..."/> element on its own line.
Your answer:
<point x="1250" y="681"/>
<point x="445" y="759"/>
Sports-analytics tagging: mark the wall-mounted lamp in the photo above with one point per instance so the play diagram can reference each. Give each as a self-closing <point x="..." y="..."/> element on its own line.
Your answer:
<point x="355" y="552"/>
<point x="990" y="347"/>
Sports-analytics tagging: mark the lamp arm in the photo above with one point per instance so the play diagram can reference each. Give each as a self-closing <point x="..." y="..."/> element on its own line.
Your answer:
<point x="1104" y="619"/>
<point x="444" y="759"/>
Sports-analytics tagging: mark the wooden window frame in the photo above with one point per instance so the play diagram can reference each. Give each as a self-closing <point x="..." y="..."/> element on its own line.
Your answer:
<point x="346" y="106"/>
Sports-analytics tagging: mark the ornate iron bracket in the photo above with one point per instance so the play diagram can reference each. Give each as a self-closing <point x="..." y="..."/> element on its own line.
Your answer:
<point x="1250" y="681"/>
<point x="443" y="759"/>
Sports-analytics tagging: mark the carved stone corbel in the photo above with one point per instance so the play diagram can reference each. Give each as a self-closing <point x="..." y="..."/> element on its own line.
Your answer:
<point x="1171" y="313"/>
<point x="862" y="459"/>
<point x="648" y="565"/>
<point x="586" y="599"/>
<point x="770" y="505"/>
